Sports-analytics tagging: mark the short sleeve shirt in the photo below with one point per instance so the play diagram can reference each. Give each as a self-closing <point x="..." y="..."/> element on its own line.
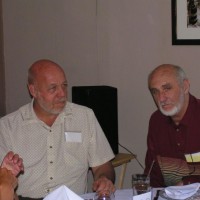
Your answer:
<point x="176" y="149"/>
<point x="56" y="155"/>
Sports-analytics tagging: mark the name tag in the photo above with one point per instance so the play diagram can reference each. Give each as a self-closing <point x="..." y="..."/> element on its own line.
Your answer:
<point x="194" y="157"/>
<point x="73" y="137"/>
<point x="145" y="196"/>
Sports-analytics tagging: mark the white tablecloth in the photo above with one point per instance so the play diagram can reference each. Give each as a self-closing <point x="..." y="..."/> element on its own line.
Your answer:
<point x="125" y="194"/>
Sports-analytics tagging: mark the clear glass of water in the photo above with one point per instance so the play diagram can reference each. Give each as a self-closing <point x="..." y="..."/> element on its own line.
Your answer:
<point x="104" y="195"/>
<point x="140" y="184"/>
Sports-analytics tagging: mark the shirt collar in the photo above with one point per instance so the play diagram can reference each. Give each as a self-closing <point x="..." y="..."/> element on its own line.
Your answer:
<point x="188" y="114"/>
<point x="190" y="111"/>
<point x="30" y="114"/>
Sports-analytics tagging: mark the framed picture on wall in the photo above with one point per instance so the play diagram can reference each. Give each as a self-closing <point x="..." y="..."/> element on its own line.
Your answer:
<point x="185" y="22"/>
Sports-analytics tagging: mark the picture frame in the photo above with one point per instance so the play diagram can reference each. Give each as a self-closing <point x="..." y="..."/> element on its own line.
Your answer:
<point x="183" y="32"/>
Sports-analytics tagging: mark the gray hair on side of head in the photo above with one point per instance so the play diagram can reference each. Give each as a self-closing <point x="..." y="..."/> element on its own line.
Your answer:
<point x="180" y="74"/>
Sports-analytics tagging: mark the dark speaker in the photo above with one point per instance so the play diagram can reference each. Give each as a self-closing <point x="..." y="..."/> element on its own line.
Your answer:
<point x="103" y="101"/>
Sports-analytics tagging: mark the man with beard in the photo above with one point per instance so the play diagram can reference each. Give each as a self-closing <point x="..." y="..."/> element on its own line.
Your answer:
<point x="174" y="136"/>
<point x="57" y="140"/>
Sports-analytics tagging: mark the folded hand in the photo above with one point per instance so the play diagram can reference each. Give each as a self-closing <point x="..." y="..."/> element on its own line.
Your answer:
<point x="13" y="163"/>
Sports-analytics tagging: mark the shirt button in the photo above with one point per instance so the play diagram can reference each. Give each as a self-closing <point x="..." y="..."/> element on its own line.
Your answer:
<point x="47" y="190"/>
<point x="51" y="178"/>
<point x="50" y="147"/>
<point x="51" y="162"/>
<point x="50" y="130"/>
<point x="178" y="144"/>
<point x="177" y="129"/>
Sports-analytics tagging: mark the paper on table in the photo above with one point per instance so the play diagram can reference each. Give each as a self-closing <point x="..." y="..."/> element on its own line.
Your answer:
<point x="182" y="192"/>
<point x="145" y="196"/>
<point x="62" y="193"/>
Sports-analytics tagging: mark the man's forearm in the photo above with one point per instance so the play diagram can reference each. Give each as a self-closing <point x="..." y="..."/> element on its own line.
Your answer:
<point x="105" y="170"/>
<point x="6" y="192"/>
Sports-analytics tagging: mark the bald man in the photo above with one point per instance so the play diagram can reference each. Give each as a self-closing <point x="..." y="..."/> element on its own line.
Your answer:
<point x="174" y="133"/>
<point x="58" y="140"/>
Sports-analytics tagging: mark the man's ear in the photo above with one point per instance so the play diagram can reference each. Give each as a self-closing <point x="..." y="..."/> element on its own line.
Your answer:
<point x="186" y="86"/>
<point x="32" y="90"/>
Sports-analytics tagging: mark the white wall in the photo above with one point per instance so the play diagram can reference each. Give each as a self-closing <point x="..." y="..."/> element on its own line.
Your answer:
<point x="64" y="31"/>
<point x="2" y="79"/>
<point x="138" y="38"/>
<point x="117" y="44"/>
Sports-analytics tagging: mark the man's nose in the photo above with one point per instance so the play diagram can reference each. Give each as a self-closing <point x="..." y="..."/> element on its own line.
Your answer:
<point x="61" y="91"/>
<point x="162" y="96"/>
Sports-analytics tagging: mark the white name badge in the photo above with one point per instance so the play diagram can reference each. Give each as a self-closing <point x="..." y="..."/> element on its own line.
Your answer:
<point x="73" y="137"/>
<point x="145" y="196"/>
<point x="194" y="157"/>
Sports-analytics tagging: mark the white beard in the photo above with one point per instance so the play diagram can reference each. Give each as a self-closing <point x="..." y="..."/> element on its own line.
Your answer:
<point x="176" y="107"/>
<point x="171" y="112"/>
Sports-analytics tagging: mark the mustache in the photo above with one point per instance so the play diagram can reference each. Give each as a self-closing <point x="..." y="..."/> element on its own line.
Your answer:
<point x="61" y="100"/>
<point x="166" y="103"/>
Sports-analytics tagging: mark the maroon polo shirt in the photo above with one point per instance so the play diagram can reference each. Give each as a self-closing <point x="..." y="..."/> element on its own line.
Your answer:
<point x="167" y="145"/>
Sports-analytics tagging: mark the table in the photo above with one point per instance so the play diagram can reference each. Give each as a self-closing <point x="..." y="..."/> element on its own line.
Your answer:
<point x="122" y="159"/>
<point x="124" y="194"/>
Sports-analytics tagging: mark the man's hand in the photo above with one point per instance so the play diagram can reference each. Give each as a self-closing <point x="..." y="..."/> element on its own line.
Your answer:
<point x="104" y="176"/>
<point x="103" y="184"/>
<point x="7" y="179"/>
<point x="8" y="182"/>
<point x="13" y="163"/>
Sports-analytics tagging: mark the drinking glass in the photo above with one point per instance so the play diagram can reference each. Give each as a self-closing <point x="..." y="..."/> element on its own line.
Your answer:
<point x="140" y="184"/>
<point x="104" y="195"/>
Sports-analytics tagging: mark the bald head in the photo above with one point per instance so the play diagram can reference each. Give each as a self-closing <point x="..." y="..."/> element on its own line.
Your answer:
<point x="172" y="70"/>
<point x="48" y="86"/>
<point x="41" y="67"/>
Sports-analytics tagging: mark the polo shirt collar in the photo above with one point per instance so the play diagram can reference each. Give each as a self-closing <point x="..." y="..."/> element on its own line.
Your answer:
<point x="31" y="115"/>
<point x="188" y="114"/>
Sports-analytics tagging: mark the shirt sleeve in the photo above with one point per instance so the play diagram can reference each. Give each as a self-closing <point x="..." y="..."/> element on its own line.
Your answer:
<point x="156" y="177"/>
<point x="100" y="151"/>
<point x="5" y="144"/>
